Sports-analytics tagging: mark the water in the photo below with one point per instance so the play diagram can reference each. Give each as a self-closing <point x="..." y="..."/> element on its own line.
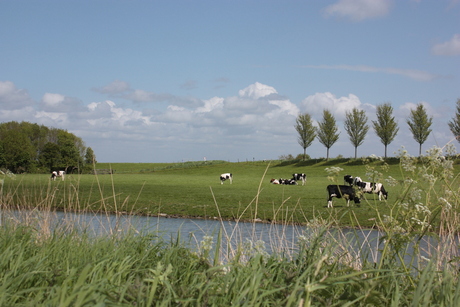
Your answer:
<point x="259" y="237"/>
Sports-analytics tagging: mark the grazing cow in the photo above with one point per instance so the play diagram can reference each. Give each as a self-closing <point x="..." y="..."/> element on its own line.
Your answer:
<point x="340" y="191"/>
<point x="226" y="176"/>
<point x="57" y="174"/>
<point x="288" y="181"/>
<point x="348" y="179"/>
<point x="371" y="188"/>
<point x="275" y="181"/>
<point x="302" y="177"/>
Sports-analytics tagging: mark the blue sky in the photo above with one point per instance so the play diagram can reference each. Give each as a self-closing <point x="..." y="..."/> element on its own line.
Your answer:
<point x="169" y="81"/>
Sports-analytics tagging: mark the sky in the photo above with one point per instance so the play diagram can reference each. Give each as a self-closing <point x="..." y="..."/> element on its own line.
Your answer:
<point x="171" y="81"/>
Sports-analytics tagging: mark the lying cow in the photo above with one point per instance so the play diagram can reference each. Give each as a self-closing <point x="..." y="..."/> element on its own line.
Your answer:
<point x="55" y="174"/>
<point x="298" y="177"/>
<point x="288" y="181"/>
<point x="371" y="188"/>
<point x="341" y="191"/>
<point x="226" y="176"/>
<point x="274" y="181"/>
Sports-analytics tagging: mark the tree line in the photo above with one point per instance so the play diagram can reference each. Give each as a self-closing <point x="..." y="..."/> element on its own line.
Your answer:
<point x="28" y="147"/>
<point x="385" y="127"/>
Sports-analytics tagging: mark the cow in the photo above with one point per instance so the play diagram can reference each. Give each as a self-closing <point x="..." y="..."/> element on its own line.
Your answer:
<point x="348" y="179"/>
<point x="56" y="174"/>
<point x="298" y="177"/>
<point x="274" y="181"/>
<point x="371" y="188"/>
<point x="288" y="181"/>
<point x="341" y="191"/>
<point x="226" y="176"/>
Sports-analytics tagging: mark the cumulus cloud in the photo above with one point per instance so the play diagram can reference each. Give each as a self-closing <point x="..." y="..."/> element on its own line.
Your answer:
<point x="358" y="10"/>
<point x="13" y="98"/>
<point x="449" y="48"/>
<point x="257" y="90"/>
<point x="256" y="117"/>
<point x="417" y="75"/>
<point x="315" y="104"/>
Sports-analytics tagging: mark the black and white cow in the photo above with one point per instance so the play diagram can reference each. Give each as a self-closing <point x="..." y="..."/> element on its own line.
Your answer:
<point x="287" y="181"/>
<point x="56" y="174"/>
<point x="371" y="188"/>
<point x="226" y="176"/>
<point x="348" y="179"/>
<point x="341" y="191"/>
<point x="298" y="177"/>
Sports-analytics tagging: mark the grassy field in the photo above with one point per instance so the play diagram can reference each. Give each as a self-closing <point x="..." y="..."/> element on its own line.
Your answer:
<point x="193" y="189"/>
<point x="43" y="265"/>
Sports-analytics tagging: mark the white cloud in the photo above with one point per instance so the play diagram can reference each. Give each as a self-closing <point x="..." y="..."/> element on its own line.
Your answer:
<point x="13" y="98"/>
<point x="257" y="90"/>
<point x="315" y="104"/>
<point x="358" y="10"/>
<point x="52" y="99"/>
<point x="449" y="48"/>
<point x="417" y="75"/>
<point x="211" y="104"/>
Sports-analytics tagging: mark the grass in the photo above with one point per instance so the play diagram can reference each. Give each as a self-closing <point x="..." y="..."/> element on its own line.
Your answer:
<point x="45" y="265"/>
<point x="194" y="190"/>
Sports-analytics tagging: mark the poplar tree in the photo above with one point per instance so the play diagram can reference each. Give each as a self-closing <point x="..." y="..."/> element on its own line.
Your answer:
<point x="454" y="124"/>
<point x="419" y="125"/>
<point x="356" y="127"/>
<point x="306" y="130"/>
<point x="327" y="131"/>
<point x="385" y="126"/>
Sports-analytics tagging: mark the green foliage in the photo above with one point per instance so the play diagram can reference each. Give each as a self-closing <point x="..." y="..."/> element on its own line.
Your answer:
<point x="419" y="125"/>
<point x="454" y="124"/>
<point x="26" y="147"/>
<point x="356" y="127"/>
<point x="385" y="126"/>
<point x="327" y="130"/>
<point x="306" y="130"/>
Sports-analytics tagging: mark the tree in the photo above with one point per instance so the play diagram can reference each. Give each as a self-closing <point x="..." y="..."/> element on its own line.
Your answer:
<point x="307" y="132"/>
<point x="385" y="126"/>
<point x="327" y="131"/>
<point x="454" y="124"/>
<point x="90" y="157"/>
<point x="356" y="127"/>
<point x="18" y="151"/>
<point x="70" y="152"/>
<point x="419" y="125"/>
<point x="50" y="156"/>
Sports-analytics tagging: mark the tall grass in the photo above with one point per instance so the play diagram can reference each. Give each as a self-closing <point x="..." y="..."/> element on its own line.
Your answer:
<point x="411" y="261"/>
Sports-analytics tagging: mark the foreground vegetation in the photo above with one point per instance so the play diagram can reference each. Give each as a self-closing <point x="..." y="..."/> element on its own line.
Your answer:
<point x="45" y="264"/>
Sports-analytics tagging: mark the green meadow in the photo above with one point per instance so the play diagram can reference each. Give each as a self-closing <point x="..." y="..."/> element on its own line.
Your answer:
<point x="193" y="189"/>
